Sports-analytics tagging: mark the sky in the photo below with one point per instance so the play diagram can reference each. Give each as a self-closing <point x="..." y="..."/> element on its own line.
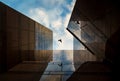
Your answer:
<point x="54" y="14"/>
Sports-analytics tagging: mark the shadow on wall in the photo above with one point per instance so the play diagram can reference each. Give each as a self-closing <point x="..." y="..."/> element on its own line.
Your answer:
<point x="37" y="55"/>
<point x="108" y="69"/>
<point x="112" y="53"/>
<point x="14" y="57"/>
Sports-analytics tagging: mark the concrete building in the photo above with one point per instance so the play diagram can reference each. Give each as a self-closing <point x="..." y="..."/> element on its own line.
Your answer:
<point x="99" y="24"/>
<point x="22" y="39"/>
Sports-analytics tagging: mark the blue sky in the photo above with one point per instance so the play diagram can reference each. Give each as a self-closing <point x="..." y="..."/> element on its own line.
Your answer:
<point x="54" y="14"/>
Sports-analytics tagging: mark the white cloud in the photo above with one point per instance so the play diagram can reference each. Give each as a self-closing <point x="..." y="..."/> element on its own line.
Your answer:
<point x="53" y="3"/>
<point x="66" y="19"/>
<point x="55" y="21"/>
<point x="40" y="15"/>
<point x="70" y="6"/>
<point x="57" y="24"/>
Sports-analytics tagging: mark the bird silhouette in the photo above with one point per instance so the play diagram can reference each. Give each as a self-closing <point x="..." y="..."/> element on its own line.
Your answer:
<point x="60" y="40"/>
<point x="60" y="64"/>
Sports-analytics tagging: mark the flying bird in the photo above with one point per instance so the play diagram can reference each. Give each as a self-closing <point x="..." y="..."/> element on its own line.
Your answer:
<point x="60" y="40"/>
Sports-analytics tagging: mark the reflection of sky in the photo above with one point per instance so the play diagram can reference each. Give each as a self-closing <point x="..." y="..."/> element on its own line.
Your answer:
<point x="78" y="45"/>
<point x="57" y="72"/>
<point x="54" y="14"/>
<point x="75" y="29"/>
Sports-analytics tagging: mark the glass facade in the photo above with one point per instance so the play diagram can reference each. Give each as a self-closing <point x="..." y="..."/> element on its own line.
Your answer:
<point x="82" y="53"/>
<point x="89" y="36"/>
<point x="44" y="38"/>
<point x="95" y="24"/>
<point x="22" y="40"/>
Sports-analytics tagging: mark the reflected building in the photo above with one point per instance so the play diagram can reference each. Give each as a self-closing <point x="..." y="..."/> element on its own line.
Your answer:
<point x="22" y="40"/>
<point x="80" y="54"/>
<point x="77" y="45"/>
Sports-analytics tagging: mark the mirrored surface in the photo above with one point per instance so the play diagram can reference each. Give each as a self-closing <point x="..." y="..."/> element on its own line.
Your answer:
<point x="59" y="66"/>
<point x="88" y="35"/>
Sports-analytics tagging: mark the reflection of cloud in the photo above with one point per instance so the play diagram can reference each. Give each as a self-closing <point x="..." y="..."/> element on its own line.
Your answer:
<point x="69" y="55"/>
<point x="64" y="56"/>
<point x="78" y="45"/>
<point x="67" y="68"/>
<point x="56" y="56"/>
